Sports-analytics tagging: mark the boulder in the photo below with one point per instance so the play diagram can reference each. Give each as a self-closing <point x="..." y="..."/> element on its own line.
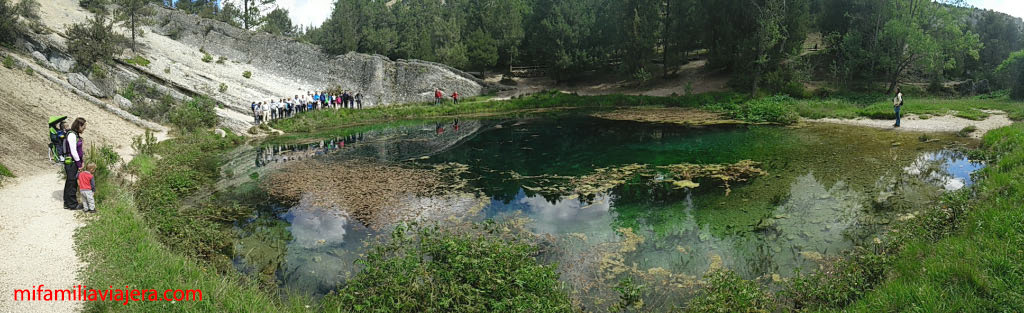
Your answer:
<point x="84" y="84"/>
<point x="62" y="64"/>
<point x="220" y="132"/>
<point x="122" y="102"/>
<point x="39" y="56"/>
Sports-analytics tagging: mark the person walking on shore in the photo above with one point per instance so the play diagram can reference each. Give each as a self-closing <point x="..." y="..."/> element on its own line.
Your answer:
<point x="73" y="164"/>
<point x="897" y="104"/>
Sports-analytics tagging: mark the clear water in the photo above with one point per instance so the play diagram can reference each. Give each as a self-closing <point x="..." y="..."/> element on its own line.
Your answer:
<point x="828" y="189"/>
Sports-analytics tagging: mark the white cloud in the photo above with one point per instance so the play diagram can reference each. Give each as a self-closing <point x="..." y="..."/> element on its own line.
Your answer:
<point x="1011" y="7"/>
<point x="307" y="12"/>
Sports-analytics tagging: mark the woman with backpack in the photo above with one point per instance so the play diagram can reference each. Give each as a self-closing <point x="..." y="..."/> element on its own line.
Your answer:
<point x="73" y="163"/>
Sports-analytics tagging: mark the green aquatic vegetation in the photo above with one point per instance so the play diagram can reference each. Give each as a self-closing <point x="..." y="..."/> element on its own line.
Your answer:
<point x="727" y="292"/>
<point x="437" y="269"/>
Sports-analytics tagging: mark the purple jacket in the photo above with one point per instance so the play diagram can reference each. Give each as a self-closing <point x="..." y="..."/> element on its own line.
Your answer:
<point x="78" y="154"/>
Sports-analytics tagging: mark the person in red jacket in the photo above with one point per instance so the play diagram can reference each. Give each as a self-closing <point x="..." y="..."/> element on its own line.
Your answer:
<point x="87" y="186"/>
<point x="455" y="97"/>
<point x="437" y="96"/>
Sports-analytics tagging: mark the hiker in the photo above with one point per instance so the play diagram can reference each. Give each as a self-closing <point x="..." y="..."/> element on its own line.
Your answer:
<point x="58" y="133"/>
<point x="253" y="105"/>
<point x="87" y="186"/>
<point x="455" y="97"/>
<point x="281" y="106"/>
<point x="73" y="163"/>
<point x="897" y="103"/>
<point x="437" y="96"/>
<point x="359" y="100"/>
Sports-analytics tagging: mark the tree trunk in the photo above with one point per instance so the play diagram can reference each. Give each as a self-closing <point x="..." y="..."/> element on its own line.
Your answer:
<point x="245" y="14"/>
<point x="665" y="38"/>
<point x="133" y="33"/>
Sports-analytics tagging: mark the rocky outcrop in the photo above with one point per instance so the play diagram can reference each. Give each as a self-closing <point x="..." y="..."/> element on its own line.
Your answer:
<point x="84" y="84"/>
<point x="122" y="102"/>
<point x="380" y="80"/>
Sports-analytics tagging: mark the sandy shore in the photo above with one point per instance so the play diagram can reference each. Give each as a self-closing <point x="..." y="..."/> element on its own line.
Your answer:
<point x="946" y="123"/>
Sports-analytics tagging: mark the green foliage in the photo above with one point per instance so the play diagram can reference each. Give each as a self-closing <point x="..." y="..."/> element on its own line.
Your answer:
<point x="277" y="22"/>
<point x="775" y="109"/>
<point x="847" y="281"/>
<point x="94" y="6"/>
<point x="434" y="269"/>
<point x="8" y="62"/>
<point x="630" y="296"/>
<point x="221" y="59"/>
<point x="8" y="22"/>
<point x="133" y="14"/>
<point x="98" y="71"/>
<point x="222" y="88"/>
<point x="247" y="74"/>
<point x="29" y="71"/>
<point x="4" y="172"/>
<point x="207" y="58"/>
<point x="727" y="292"/>
<point x="93" y="41"/>
<point x="138" y="60"/>
<point x="1014" y="68"/>
<point x="196" y="114"/>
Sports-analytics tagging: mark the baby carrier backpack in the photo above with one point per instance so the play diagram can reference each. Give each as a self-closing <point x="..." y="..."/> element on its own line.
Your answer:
<point x="57" y="149"/>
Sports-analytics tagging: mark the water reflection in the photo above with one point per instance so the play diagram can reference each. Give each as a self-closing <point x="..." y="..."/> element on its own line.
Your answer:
<point x="947" y="168"/>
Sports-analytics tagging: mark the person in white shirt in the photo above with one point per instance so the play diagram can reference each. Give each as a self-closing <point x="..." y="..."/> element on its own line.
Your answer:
<point x="897" y="103"/>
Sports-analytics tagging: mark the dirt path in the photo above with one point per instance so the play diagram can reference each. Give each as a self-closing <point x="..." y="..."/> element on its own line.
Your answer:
<point x="38" y="244"/>
<point x="946" y="123"/>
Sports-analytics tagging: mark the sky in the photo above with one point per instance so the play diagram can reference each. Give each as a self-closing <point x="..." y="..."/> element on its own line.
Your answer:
<point x="1011" y="7"/>
<point x="312" y="12"/>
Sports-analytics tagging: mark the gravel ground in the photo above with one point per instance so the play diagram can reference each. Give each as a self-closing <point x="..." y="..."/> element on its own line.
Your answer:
<point x="946" y="123"/>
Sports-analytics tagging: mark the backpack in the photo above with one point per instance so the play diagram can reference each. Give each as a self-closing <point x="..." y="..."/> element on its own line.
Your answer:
<point x="57" y="149"/>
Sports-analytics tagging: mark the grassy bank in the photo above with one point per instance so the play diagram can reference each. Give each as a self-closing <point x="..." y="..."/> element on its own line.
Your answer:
<point x="171" y="230"/>
<point x="5" y="174"/>
<point x="773" y="109"/>
<point x="964" y="255"/>
<point x="130" y="243"/>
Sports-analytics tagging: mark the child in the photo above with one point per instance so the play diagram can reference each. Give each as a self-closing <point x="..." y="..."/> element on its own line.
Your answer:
<point x="87" y="186"/>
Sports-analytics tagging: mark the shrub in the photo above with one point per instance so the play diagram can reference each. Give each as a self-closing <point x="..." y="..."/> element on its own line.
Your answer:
<point x="727" y="292"/>
<point x="8" y="21"/>
<point x="222" y="88"/>
<point x="155" y="110"/>
<point x="98" y="7"/>
<point x="846" y="282"/>
<point x="207" y="58"/>
<point x="221" y="59"/>
<point x="247" y="74"/>
<point x="98" y="71"/>
<point x="8" y="62"/>
<point x="1014" y="67"/>
<point x="433" y="269"/>
<point x="29" y="71"/>
<point x="93" y="41"/>
<point x="775" y="109"/>
<point x="4" y="172"/>
<point x="642" y="75"/>
<point x="195" y="114"/>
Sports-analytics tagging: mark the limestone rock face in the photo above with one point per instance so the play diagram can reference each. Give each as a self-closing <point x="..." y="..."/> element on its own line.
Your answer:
<point x="122" y="102"/>
<point x="63" y="64"/>
<point x="39" y="56"/>
<point x="84" y="84"/>
<point x="381" y="81"/>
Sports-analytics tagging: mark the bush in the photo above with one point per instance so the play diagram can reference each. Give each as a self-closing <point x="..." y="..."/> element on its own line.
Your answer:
<point x="98" y="7"/>
<point x="207" y="58"/>
<point x="155" y="110"/>
<point x="93" y="41"/>
<point x="222" y="88"/>
<point x="727" y="292"/>
<point x="8" y="21"/>
<point x="1014" y="67"/>
<point x="29" y="71"/>
<point x="433" y="269"/>
<point x="774" y="109"/>
<point x="846" y="282"/>
<point x="221" y="59"/>
<point x="4" y="172"/>
<point x="195" y="114"/>
<point x="247" y="74"/>
<point x="8" y="61"/>
<point x="98" y="71"/>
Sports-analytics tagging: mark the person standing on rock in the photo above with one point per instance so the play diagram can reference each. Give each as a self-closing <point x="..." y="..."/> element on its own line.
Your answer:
<point x="73" y="163"/>
<point x="897" y="104"/>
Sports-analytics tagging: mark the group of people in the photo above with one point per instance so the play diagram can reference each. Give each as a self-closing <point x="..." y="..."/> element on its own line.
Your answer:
<point x="439" y="97"/>
<point x="266" y="111"/>
<point x="66" y="147"/>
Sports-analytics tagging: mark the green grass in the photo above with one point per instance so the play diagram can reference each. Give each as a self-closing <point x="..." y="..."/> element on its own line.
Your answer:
<point x="979" y="266"/>
<point x="138" y="60"/>
<point x="968" y="108"/>
<point x="4" y="172"/>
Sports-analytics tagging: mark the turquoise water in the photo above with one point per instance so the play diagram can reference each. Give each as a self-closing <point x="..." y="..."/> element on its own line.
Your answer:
<point x="828" y="188"/>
